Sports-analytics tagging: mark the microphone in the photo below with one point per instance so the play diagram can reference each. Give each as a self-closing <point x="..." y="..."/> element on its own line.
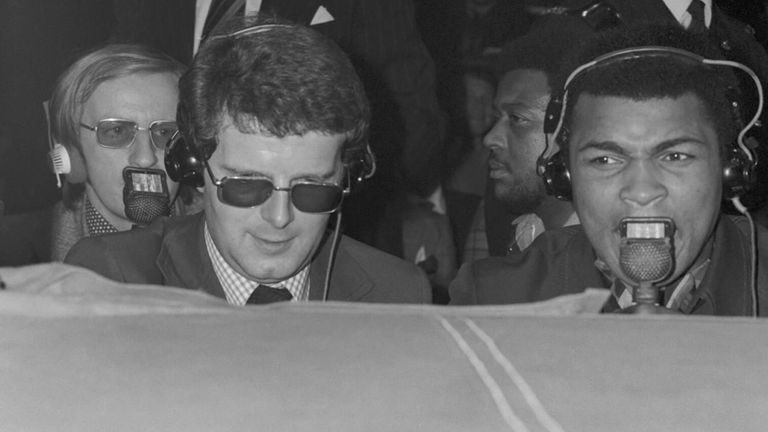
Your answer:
<point x="646" y="257"/>
<point x="145" y="195"/>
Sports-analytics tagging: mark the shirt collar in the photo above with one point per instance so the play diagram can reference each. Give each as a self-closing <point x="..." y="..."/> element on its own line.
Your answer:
<point x="238" y="288"/>
<point x="96" y="223"/>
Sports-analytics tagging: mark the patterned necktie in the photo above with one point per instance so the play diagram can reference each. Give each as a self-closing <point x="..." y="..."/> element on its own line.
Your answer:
<point x="696" y="9"/>
<point x="219" y="11"/>
<point x="264" y="294"/>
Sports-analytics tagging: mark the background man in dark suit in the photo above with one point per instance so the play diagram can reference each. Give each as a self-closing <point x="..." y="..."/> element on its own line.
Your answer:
<point x="275" y="122"/>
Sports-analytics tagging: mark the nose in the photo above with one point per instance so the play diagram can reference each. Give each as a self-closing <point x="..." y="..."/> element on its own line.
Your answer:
<point x="143" y="152"/>
<point x="278" y="210"/>
<point x="497" y="136"/>
<point x="643" y="184"/>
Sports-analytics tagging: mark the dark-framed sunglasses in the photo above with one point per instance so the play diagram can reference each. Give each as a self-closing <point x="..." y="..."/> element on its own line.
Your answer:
<point x="307" y="197"/>
<point x="119" y="133"/>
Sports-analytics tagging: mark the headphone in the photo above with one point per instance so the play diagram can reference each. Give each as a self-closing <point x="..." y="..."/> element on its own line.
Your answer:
<point x="185" y="164"/>
<point x="59" y="159"/>
<point x="739" y="162"/>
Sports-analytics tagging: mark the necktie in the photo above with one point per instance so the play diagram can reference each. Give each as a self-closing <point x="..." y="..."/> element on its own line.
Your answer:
<point x="219" y="11"/>
<point x="265" y="294"/>
<point x="696" y="9"/>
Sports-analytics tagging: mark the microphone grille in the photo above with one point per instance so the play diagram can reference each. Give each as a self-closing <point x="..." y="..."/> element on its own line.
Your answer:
<point x="645" y="260"/>
<point x="144" y="208"/>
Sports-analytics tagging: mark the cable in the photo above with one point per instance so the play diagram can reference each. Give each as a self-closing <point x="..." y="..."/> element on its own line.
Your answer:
<point x="332" y="258"/>
<point x="175" y="197"/>
<point x="753" y="261"/>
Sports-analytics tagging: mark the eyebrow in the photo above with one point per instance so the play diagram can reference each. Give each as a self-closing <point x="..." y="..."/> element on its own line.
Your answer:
<point x="506" y="106"/>
<point x="614" y="147"/>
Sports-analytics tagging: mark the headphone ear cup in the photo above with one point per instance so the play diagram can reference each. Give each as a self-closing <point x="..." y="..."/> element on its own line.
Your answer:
<point x="182" y="162"/>
<point x="738" y="174"/>
<point x="557" y="178"/>
<point x="359" y="164"/>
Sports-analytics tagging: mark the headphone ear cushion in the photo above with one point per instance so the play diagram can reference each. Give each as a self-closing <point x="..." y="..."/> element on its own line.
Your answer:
<point x="182" y="162"/>
<point x="557" y="178"/>
<point x="738" y="174"/>
<point x="77" y="172"/>
<point x="359" y="164"/>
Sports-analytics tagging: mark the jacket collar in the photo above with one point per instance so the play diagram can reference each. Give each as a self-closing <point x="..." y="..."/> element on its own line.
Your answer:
<point x="183" y="257"/>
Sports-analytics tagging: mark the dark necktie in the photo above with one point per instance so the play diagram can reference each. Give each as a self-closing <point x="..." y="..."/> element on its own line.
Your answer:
<point x="265" y="294"/>
<point x="219" y="11"/>
<point x="696" y="9"/>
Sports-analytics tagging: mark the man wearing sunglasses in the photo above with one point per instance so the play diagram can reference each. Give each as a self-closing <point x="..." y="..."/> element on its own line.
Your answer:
<point x="273" y="120"/>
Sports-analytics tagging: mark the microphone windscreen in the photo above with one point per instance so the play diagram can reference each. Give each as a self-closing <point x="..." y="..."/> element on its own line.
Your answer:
<point x="142" y="208"/>
<point x="645" y="260"/>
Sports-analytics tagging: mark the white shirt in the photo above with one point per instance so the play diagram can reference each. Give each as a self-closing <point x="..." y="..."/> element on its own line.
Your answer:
<point x="679" y="9"/>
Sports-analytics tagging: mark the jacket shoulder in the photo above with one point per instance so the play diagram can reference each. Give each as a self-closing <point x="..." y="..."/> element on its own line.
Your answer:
<point x="127" y="256"/>
<point x="394" y="279"/>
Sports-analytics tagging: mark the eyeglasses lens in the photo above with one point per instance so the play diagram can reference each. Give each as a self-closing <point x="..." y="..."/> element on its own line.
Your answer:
<point x="316" y="198"/>
<point x="162" y="132"/>
<point x="245" y="192"/>
<point x="115" y="133"/>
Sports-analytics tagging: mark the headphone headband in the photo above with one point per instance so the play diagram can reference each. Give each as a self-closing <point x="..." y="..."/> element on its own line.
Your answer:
<point x="558" y="178"/>
<point x="248" y="31"/>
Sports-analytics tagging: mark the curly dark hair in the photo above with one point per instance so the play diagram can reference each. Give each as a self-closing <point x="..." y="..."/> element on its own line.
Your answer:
<point x="542" y="50"/>
<point x="649" y="77"/>
<point x="274" y="78"/>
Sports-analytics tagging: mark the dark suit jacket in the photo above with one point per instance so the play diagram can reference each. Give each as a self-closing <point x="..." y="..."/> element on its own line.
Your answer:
<point x="562" y="261"/>
<point x="172" y="251"/>
<point x="384" y="44"/>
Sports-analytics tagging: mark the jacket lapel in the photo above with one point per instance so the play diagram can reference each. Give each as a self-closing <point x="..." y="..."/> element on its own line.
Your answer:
<point x="349" y="282"/>
<point x="183" y="258"/>
<point x="727" y="282"/>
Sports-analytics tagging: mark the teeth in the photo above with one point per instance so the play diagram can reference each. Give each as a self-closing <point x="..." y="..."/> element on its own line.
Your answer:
<point x="651" y="230"/>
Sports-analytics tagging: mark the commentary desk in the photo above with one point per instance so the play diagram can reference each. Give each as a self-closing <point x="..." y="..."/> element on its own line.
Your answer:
<point x="79" y="353"/>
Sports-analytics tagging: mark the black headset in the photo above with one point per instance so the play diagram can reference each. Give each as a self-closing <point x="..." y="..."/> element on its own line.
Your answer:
<point x="739" y="163"/>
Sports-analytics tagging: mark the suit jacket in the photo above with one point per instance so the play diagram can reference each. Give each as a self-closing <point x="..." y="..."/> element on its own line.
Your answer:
<point x="172" y="251"/>
<point x="383" y="42"/>
<point x="562" y="261"/>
